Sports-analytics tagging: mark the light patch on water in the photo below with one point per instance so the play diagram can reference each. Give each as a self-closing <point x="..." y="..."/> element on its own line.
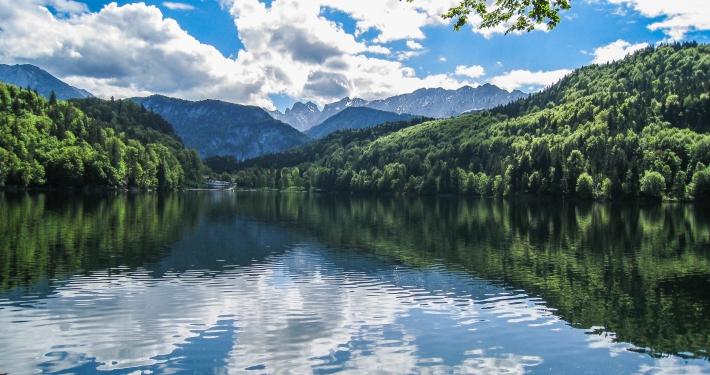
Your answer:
<point x="292" y="313"/>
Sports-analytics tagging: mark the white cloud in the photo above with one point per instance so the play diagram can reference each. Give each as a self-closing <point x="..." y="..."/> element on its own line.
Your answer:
<point x="393" y="19"/>
<point x="518" y="78"/>
<point x="442" y="59"/>
<point x="127" y="50"/>
<point x="177" y="6"/>
<point x="616" y="51"/>
<point x="406" y="55"/>
<point x="414" y="45"/>
<point x="320" y="61"/>
<point x="290" y="48"/>
<point x="679" y="17"/>
<point x="473" y="71"/>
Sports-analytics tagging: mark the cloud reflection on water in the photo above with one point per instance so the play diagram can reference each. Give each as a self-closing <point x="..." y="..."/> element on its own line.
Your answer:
<point x="297" y="312"/>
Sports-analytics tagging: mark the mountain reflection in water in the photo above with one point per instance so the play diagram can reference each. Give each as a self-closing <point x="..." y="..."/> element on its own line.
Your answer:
<point x="274" y="283"/>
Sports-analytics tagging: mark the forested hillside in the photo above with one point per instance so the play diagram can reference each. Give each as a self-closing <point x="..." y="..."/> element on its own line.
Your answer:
<point x="634" y="128"/>
<point x="89" y="142"/>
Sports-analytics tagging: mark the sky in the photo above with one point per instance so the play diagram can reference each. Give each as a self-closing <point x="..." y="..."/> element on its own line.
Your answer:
<point x="272" y="53"/>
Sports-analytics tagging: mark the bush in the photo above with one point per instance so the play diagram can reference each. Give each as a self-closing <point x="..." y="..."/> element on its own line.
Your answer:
<point x="653" y="184"/>
<point x="585" y="186"/>
<point x="700" y="187"/>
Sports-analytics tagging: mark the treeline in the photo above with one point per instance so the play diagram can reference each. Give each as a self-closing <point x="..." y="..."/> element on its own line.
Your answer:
<point x="89" y="142"/>
<point x="634" y="128"/>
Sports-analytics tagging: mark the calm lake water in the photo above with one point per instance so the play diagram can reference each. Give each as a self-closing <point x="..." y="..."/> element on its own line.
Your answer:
<point x="221" y="282"/>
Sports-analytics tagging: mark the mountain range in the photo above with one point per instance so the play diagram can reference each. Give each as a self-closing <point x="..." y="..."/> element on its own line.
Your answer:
<point x="436" y="103"/>
<point x="215" y="128"/>
<point x="40" y="80"/>
<point x="219" y="128"/>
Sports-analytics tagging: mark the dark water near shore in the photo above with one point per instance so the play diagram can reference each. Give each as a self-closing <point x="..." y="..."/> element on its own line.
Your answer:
<point x="220" y="282"/>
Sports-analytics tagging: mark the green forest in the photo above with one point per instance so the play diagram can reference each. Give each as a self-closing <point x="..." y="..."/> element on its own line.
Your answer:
<point x="635" y="128"/>
<point x="90" y="143"/>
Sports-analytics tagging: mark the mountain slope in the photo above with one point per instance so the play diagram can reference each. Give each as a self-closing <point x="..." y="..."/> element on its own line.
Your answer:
<point x="40" y="80"/>
<point x="218" y="128"/>
<point x="634" y="128"/>
<point x="436" y="103"/>
<point x="355" y="118"/>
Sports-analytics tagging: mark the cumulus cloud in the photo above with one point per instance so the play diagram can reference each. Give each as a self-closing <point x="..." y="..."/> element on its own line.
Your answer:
<point x="473" y="71"/>
<point x="616" y="51"/>
<point x="290" y="48"/>
<point x="678" y="17"/>
<point x="392" y="19"/>
<point x="127" y="50"/>
<point x="524" y="78"/>
<point x="406" y="55"/>
<point x="177" y="6"/>
<point x="320" y="59"/>
<point x="414" y="45"/>
<point x="330" y="85"/>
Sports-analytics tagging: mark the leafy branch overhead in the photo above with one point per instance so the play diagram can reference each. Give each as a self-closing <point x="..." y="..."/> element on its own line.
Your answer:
<point x="526" y="14"/>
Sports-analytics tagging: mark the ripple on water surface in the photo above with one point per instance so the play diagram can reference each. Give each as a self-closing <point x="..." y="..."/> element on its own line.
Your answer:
<point x="242" y="295"/>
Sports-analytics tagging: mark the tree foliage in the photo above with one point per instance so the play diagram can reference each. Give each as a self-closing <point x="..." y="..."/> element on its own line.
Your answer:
<point x="653" y="185"/>
<point x="517" y="15"/>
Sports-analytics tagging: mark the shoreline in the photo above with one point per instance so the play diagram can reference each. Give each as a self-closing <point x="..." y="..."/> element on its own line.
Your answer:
<point x="519" y="197"/>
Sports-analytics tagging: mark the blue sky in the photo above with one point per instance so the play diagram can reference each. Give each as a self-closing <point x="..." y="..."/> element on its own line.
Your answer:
<point x="276" y="52"/>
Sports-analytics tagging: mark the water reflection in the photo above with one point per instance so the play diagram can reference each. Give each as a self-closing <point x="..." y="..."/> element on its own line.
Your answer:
<point x="275" y="283"/>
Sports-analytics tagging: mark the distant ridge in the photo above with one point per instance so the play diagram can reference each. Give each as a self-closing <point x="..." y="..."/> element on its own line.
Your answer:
<point x="436" y="103"/>
<point x="355" y="118"/>
<point x="214" y="127"/>
<point x="40" y="80"/>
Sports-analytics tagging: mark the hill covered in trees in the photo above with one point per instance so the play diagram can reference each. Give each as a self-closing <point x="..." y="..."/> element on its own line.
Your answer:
<point x="635" y="127"/>
<point x="89" y="142"/>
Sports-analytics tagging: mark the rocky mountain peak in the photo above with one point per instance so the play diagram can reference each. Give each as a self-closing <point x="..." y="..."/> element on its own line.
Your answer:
<point x="430" y="102"/>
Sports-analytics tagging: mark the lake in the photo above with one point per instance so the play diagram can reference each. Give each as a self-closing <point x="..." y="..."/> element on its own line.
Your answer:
<point x="232" y="282"/>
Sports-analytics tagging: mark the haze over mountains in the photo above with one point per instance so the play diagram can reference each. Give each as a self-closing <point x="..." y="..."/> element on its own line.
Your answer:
<point x="40" y="80"/>
<point x="437" y="103"/>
